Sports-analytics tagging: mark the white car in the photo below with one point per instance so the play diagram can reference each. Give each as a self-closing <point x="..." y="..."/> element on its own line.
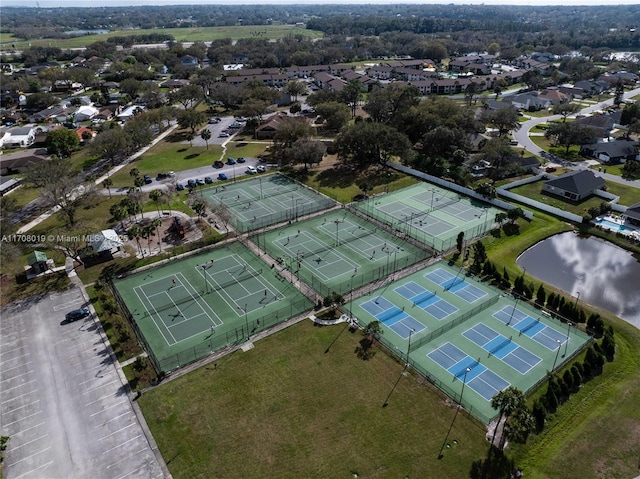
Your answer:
<point x="261" y="169"/>
<point x="251" y="170"/>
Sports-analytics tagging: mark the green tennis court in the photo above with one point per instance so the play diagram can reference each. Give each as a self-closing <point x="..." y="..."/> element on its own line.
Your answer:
<point x="433" y="215"/>
<point x="266" y="200"/>
<point x="454" y="329"/>
<point x="186" y="308"/>
<point x="338" y="251"/>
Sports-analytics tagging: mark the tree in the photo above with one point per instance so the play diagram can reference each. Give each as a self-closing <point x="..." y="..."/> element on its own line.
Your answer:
<point x="291" y="130"/>
<point x="108" y="183"/>
<point x="520" y="425"/>
<point x="503" y="119"/>
<point x="40" y="101"/>
<point x="295" y="88"/>
<point x="187" y="96"/>
<point x="134" y="172"/>
<point x="62" y="142"/>
<point x="364" y="144"/>
<point x="306" y="152"/>
<point x="501" y="218"/>
<point x="486" y="189"/>
<point x="514" y="213"/>
<point x="460" y="241"/>
<point x="541" y="295"/>
<point x="138" y="131"/>
<point x="111" y="144"/>
<point x="335" y="115"/>
<point x="373" y="331"/>
<point x="384" y="104"/>
<point x="59" y="186"/>
<point x="191" y="119"/>
<point x="156" y="197"/>
<point x="568" y="134"/>
<point x="206" y="136"/>
<point x="352" y="94"/>
<point x="470" y="91"/>
<point x="199" y="207"/>
<point x="119" y="212"/>
<point x="135" y="232"/>
<point x="507" y="402"/>
<point x="565" y="109"/>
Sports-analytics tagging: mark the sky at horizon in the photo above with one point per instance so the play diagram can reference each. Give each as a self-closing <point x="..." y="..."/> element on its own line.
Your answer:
<point x="125" y="3"/>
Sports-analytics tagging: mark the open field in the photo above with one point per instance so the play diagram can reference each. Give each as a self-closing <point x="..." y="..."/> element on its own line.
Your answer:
<point x="301" y="404"/>
<point x="200" y="34"/>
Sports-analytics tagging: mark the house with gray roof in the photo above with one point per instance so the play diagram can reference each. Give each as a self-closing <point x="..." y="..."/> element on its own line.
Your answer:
<point x="632" y="214"/>
<point x="529" y="101"/>
<point x="575" y="185"/>
<point x="617" y="151"/>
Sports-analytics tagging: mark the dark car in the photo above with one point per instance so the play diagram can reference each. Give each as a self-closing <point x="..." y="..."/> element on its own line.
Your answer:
<point x="77" y="314"/>
<point x="240" y="160"/>
<point x="191" y="183"/>
<point x="179" y="187"/>
<point x="218" y="164"/>
<point x="162" y="176"/>
<point x="208" y="179"/>
<point x="222" y="176"/>
<point x="231" y="161"/>
<point x="147" y="179"/>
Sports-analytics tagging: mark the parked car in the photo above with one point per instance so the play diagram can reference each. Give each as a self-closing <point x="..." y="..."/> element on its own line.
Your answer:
<point x="171" y="174"/>
<point x="231" y="160"/>
<point x="200" y="181"/>
<point x="222" y="176"/>
<point x="223" y="134"/>
<point x="191" y="183"/>
<point x="208" y="179"/>
<point x="179" y="187"/>
<point x="147" y="179"/>
<point x="77" y="314"/>
<point x="214" y="120"/>
<point x="218" y="164"/>
<point x="251" y="170"/>
<point x="261" y="168"/>
<point x="240" y="160"/>
<point x="161" y="176"/>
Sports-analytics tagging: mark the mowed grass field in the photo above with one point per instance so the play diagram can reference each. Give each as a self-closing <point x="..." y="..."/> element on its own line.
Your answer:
<point x="202" y="34"/>
<point x="288" y="408"/>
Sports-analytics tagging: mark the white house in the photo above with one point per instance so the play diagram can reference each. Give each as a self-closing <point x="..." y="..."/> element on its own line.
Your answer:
<point x="20" y="137"/>
<point x="129" y="112"/>
<point x="85" y="113"/>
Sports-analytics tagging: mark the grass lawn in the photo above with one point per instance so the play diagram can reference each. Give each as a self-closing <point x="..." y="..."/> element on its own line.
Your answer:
<point x="629" y="195"/>
<point x="196" y="34"/>
<point x="534" y="191"/>
<point x="611" y="169"/>
<point x="288" y="408"/>
<point x="245" y="148"/>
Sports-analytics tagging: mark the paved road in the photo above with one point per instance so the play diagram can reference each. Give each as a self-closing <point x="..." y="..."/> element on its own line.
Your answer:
<point x="63" y="403"/>
<point x="523" y="139"/>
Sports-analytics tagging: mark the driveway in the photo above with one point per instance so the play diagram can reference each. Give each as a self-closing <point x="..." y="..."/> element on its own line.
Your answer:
<point x="64" y="404"/>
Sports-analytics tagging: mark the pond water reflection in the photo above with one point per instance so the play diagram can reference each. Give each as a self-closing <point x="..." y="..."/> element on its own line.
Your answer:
<point x="605" y="275"/>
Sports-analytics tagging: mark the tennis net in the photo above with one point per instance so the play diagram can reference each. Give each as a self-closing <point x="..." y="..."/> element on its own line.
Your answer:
<point x="244" y="275"/>
<point x="501" y="345"/>
<point x="531" y="324"/>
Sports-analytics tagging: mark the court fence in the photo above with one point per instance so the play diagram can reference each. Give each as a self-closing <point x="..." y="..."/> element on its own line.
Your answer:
<point x="214" y="341"/>
<point x="455" y="322"/>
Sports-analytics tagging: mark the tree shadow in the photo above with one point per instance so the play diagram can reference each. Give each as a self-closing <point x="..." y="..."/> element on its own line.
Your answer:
<point x="192" y="156"/>
<point x="495" y="466"/>
<point x="365" y="351"/>
<point x="511" y="229"/>
<point x="335" y="177"/>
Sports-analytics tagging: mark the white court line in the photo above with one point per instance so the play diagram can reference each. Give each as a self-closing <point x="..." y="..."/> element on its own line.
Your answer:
<point x="43" y="467"/>
<point x="116" y="432"/>
<point x="186" y="320"/>
<point x="150" y="315"/>
<point x="109" y="407"/>
<point x="13" y="448"/>
<point x="120" y="445"/>
<point x="29" y="457"/>
<point x="206" y="305"/>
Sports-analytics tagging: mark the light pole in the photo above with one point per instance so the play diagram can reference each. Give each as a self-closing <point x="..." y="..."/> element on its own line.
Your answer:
<point x="556" y="359"/>
<point x="337" y="222"/>
<point x="260" y="180"/>
<point x="515" y="305"/>
<point x="234" y="172"/>
<point x="246" y="320"/>
<point x="411" y="331"/>
<point x="566" y="345"/>
<point x="464" y="381"/>
<point x="575" y="306"/>
<point x="204" y="276"/>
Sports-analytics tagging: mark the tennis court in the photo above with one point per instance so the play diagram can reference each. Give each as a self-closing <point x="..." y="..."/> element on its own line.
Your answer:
<point x="265" y="200"/>
<point x="431" y="214"/>
<point x="467" y="331"/>
<point x="187" y="308"/>
<point x="338" y="251"/>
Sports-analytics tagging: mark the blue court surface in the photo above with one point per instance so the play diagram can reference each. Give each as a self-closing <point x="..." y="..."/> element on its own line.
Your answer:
<point x="456" y="285"/>
<point x="478" y="377"/>
<point x="393" y="317"/>
<point x="531" y="327"/>
<point x="505" y="349"/>
<point x="430" y="302"/>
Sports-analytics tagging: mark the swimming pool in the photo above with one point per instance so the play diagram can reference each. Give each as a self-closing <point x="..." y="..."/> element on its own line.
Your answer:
<point x="610" y="225"/>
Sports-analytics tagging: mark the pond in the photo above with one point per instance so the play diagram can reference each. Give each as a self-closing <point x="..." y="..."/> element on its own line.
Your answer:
<point x="604" y="274"/>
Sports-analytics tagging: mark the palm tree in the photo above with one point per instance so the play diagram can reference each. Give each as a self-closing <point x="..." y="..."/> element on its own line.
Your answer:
<point x="157" y="222"/>
<point x="155" y="195"/>
<point x="119" y="213"/>
<point x="147" y="232"/>
<point x="506" y="401"/>
<point x="108" y="183"/>
<point x="206" y="136"/>
<point x="134" y="172"/>
<point x="135" y="232"/>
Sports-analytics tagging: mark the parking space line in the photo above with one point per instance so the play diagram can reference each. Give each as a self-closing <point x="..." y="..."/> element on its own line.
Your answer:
<point x="17" y="397"/>
<point x="18" y="366"/>
<point x="14" y="377"/>
<point x="133" y="454"/>
<point x="16" y="357"/>
<point x="66" y="304"/>
<point x="27" y="429"/>
<point x="109" y="407"/>
<point x="13" y="448"/>
<point x="129" y="473"/>
<point x="14" y="387"/>
<point x="99" y="399"/>
<point x="101" y="386"/>
<point x="95" y="378"/>
<point x="11" y="350"/>
<point x="22" y="418"/>
<point x="43" y="467"/>
<point x="29" y="457"/>
<point x="85" y="371"/>
<point x="24" y="405"/>
<point x="112" y="419"/>
<point x="116" y="432"/>
<point x="121" y="444"/>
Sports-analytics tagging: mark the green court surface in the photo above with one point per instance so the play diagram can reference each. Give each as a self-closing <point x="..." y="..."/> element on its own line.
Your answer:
<point x="265" y="200"/>
<point x="456" y="330"/>
<point x="338" y="251"/>
<point x="433" y="215"/>
<point x="189" y="307"/>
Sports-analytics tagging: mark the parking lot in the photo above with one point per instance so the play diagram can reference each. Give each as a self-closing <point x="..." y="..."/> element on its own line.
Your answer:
<point x="63" y="403"/>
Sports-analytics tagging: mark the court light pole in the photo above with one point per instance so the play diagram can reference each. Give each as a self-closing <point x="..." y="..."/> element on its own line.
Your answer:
<point x="556" y="359"/>
<point x="204" y="276"/>
<point x="566" y="345"/>
<point x="234" y="172"/>
<point x="411" y="331"/>
<point x="246" y="320"/>
<point x="464" y="381"/>
<point x="515" y="305"/>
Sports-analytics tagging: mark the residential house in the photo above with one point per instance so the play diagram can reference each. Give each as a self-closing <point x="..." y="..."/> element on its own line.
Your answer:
<point x="21" y="161"/>
<point x="85" y="113"/>
<point x="83" y="132"/>
<point x="601" y="123"/>
<point x="591" y="87"/>
<point x="529" y="101"/>
<point x="554" y="96"/>
<point x="191" y="61"/>
<point x="129" y="112"/>
<point x="20" y="137"/>
<point x="575" y="185"/>
<point x="174" y="83"/>
<point x="632" y="214"/>
<point x="617" y="151"/>
<point x="269" y="128"/>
